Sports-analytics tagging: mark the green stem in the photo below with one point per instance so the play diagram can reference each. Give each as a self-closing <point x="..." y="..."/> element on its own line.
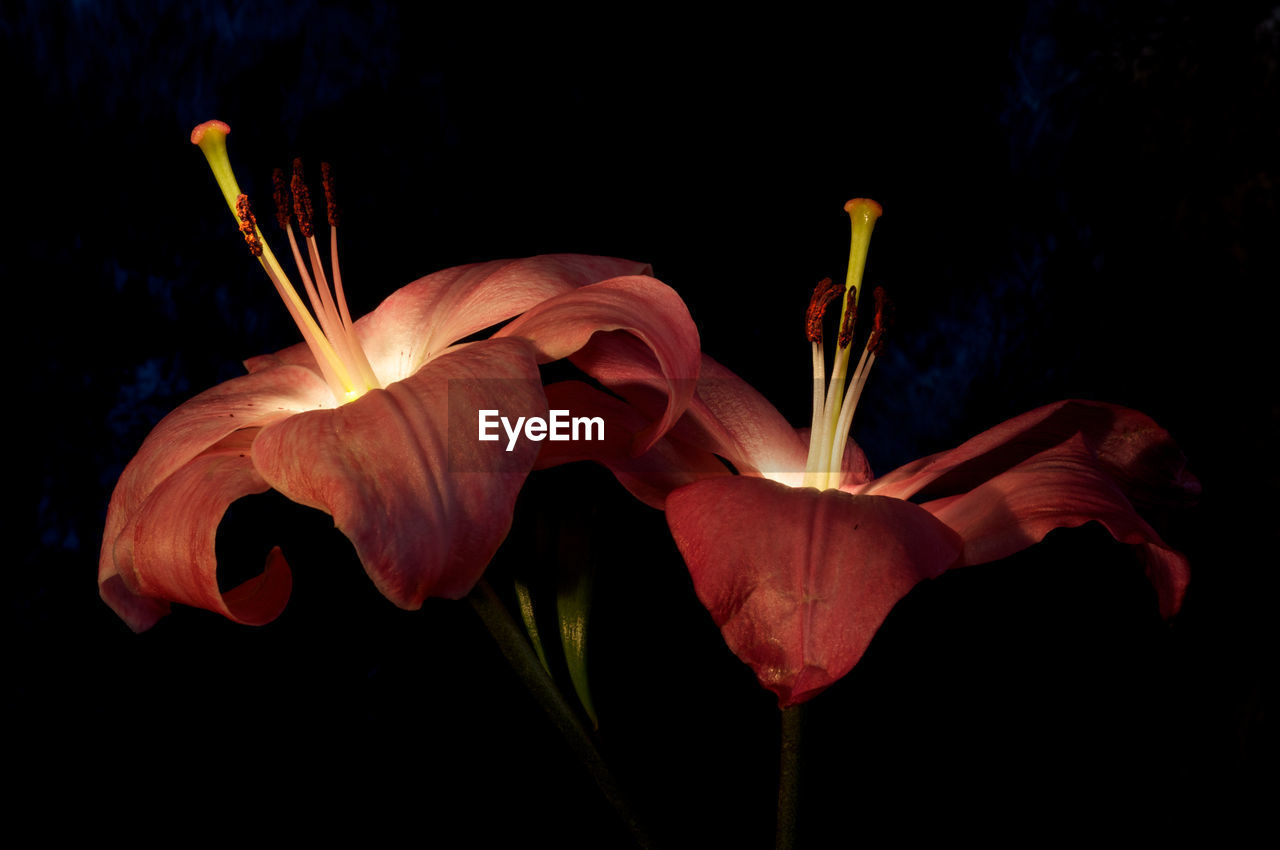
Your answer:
<point x="520" y="655"/>
<point x="789" y="776"/>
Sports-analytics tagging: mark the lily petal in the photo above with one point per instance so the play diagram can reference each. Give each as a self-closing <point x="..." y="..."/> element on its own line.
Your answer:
<point x="650" y="476"/>
<point x="432" y="313"/>
<point x="800" y="603"/>
<point x="726" y="416"/>
<point x="425" y="317"/>
<point x="166" y="551"/>
<point x="646" y="308"/>
<point x="1136" y="452"/>
<point x="1062" y="487"/>
<point x="401" y="470"/>
<point x="250" y="401"/>
<point x="732" y="419"/>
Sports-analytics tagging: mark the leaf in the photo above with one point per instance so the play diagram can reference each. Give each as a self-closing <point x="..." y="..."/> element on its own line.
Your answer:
<point x="573" y="603"/>
<point x="525" y="598"/>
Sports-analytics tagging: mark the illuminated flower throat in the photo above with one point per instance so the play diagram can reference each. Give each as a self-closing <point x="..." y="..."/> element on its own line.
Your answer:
<point x="329" y="335"/>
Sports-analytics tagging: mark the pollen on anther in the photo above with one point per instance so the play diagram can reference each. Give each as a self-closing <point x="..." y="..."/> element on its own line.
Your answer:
<point x="302" y="201"/>
<point x="330" y="198"/>
<point x="248" y="225"/>
<point x="280" y="194"/>
<point x="823" y="294"/>
<point x="882" y="323"/>
<point x="850" y="316"/>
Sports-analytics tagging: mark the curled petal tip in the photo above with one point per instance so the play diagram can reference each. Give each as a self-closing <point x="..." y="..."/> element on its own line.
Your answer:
<point x="197" y="135"/>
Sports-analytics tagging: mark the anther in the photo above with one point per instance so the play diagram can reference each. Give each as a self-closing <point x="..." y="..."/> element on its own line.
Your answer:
<point x="302" y="201"/>
<point x="280" y="194"/>
<point x="330" y="199"/>
<point x="823" y="294"/>
<point x="248" y="225"/>
<point x="850" y="316"/>
<point x="883" y="321"/>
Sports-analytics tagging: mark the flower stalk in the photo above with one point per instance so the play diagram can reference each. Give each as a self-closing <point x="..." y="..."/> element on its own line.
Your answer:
<point x="519" y="653"/>
<point x="791" y="740"/>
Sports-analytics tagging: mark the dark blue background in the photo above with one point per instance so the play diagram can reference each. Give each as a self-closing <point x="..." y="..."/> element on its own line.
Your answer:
<point x="1078" y="202"/>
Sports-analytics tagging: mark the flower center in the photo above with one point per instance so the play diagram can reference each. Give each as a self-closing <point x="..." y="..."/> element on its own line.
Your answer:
<point x="834" y="402"/>
<point x="330" y="333"/>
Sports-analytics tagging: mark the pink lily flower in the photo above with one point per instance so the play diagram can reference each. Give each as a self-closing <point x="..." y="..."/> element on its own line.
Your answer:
<point x="372" y="421"/>
<point x="799" y="553"/>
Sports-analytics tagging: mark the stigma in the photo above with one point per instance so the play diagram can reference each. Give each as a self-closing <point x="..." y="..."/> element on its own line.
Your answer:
<point x="323" y="319"/>
<point x="835" y="400"/>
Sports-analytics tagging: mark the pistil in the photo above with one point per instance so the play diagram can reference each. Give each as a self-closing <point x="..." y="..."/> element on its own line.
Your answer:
<point x="330" y="334"/>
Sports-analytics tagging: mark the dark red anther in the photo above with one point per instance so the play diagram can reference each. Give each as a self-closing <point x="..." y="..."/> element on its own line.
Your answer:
<point x="248" y="225"/>
<point x="883" y="321"/>
<point x="280" y="194"/>
<point x="823" y="294"/>
<point x="850" y="316"/>
<point x="330" y="199"/>
<point x="302" y="202"/>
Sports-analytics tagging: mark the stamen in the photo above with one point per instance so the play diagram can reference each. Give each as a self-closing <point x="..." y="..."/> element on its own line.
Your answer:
<point x="330" y="307"/>
<point x="330" y="202"/>
<point x="883" y="322"/>
<point x="317" y="305"/>
<point x="823" y="294"/>
<point x="302" y="202"/>
<point x="326" y="312"/>
<point x="280" y="194"/>
<point x="362" y="361"/>
<point x="875" y="346"/>
<point x="835" y="462"/>
<point x="248" y="225"/>
<point x="850" y="315"/>
<point x="337" y="279"/>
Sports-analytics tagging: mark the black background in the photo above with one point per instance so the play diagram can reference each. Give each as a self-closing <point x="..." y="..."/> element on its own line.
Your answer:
<point x="1078" y="202"/>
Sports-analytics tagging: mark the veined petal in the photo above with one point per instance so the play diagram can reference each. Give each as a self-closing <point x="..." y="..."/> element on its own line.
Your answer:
<point x="646" y="308"/>
<point x="425" y="317"/>
<point x="799" y="580"/>
<point x="250" y="401"/>
<point x="730" y="418"/>
<point x="401" y="470"/>
<point x="1062" y="487"/>
<point x="1132" y="449"/>
<point x="166" y="551"/>
<point x="650" y="476"/>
